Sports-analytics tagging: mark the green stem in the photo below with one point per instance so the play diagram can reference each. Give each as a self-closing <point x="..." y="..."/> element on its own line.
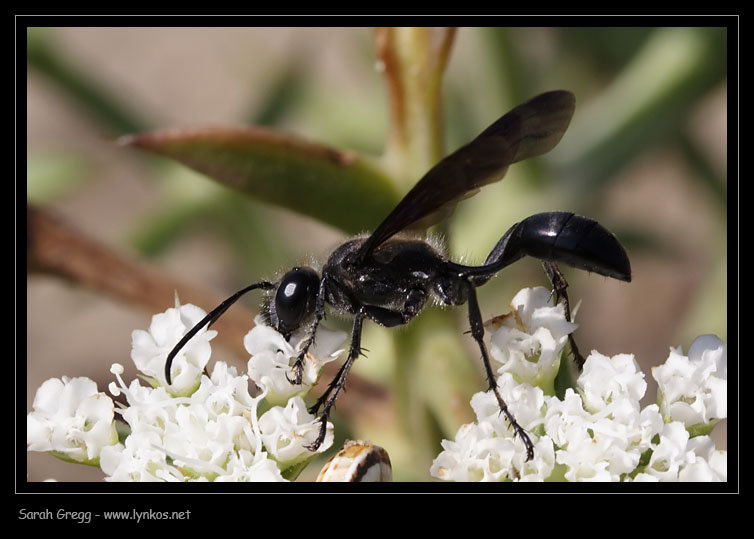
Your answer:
<point x="414" y="60"/>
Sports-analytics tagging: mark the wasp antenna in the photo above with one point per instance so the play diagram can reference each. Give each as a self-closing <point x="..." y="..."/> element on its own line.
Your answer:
<point x="213" y="315"/>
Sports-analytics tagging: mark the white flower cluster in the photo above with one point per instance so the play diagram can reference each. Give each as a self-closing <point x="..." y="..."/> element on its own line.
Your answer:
<point x="693" y="389"/>
<point x="200" y="428"/>
<point x="209" y="427"/>
<point x="72" y="420"/>
<point x="597" y="431"/>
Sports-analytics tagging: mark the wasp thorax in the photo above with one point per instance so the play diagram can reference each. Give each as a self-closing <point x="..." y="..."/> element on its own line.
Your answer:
<point x="295" y="299"/>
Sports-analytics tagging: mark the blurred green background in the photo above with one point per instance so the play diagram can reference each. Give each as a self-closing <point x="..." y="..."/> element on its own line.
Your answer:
<point x="645" y="155"/>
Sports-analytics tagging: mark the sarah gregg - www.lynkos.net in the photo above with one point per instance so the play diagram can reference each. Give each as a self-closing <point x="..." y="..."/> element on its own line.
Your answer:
<point x="85" y="517"/>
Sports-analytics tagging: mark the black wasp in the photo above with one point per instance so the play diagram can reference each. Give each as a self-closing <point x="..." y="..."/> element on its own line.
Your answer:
<point x="389" y="278"/>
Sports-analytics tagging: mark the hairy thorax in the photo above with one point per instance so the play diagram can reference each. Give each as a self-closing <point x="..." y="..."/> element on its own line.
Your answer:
<point x="386" y="276"/>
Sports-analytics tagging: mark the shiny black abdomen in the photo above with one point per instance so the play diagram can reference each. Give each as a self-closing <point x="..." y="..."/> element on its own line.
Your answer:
<point x="580" y="242"/>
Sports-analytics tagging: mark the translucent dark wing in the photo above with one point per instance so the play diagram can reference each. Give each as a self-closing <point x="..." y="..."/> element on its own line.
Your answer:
<point x="530" y="129"/>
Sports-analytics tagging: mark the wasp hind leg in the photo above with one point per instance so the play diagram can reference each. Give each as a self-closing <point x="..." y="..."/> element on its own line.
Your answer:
<point x="559" y="286"/>
<point x="477" y="331"/>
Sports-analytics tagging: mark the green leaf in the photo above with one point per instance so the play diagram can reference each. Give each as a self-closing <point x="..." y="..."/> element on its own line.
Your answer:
<point x="65" y="457"/>
<point x="648" y="102"/>
<point x="701" y="429"/>
<point x="283" y="92"/>
<point x="292" y="472"/>
<point x="337" y="187"/>
<point x="43" y="54"/>
<point x="51" y="176"/>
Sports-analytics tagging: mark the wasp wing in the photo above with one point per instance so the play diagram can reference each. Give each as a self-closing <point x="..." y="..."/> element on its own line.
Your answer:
<point x="530" y="129"/>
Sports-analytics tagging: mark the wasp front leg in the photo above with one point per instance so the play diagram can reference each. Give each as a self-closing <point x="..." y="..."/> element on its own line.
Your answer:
<point x="319" y="314"/>
<point x="328" y="397"/>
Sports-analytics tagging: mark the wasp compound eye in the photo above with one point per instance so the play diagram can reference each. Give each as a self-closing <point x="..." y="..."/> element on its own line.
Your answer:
<point x="295" y="298"/>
